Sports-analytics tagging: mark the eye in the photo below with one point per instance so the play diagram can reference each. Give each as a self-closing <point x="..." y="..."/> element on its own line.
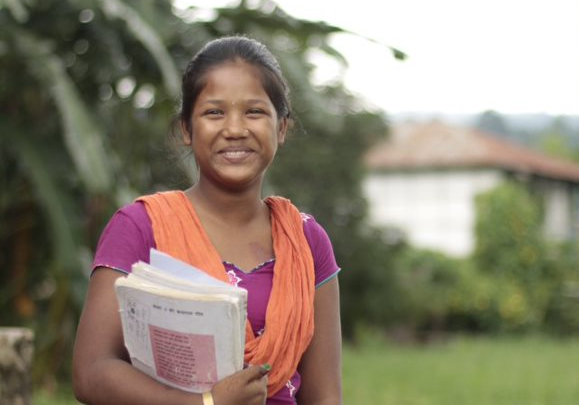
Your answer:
<point x="213" y="111"/>
<point x="255" y="111"/>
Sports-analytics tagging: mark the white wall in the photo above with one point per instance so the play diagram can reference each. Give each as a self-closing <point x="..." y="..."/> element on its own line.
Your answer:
<point x="434" y="209"/>
<point x="559" y="219"/>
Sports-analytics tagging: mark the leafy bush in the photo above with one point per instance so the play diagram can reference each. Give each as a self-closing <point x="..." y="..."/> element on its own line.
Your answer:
<point x="428" y="282"/>
<point x="514" y="282"/>
<point x="508" y="234"/>
<point x="529" y="276"/>
<point x="562" y="314"/>
<point x="368" y="285"/>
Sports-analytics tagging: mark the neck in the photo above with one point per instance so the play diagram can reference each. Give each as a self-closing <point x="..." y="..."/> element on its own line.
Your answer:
<point x="228" y="206"/>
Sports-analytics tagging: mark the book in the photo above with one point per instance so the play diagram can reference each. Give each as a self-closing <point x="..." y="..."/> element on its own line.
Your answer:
<point x="180" y="325"/>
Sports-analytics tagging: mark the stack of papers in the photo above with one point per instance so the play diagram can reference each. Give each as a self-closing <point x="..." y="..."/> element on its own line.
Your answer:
<point x="180" y="325"/>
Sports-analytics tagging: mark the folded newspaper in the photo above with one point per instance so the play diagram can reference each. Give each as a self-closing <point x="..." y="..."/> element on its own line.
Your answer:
<point x="180" y="325"/>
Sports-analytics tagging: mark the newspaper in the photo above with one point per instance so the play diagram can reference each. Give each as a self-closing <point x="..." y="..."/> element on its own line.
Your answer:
<point x="180" y="325"/>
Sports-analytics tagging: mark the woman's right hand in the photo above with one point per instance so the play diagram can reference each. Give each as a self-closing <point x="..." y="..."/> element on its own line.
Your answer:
<point x="246" y="387"/>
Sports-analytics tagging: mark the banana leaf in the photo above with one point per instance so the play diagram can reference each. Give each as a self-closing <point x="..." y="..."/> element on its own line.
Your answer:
<point x="82" y="136"/>
<point x="148" y="37"/>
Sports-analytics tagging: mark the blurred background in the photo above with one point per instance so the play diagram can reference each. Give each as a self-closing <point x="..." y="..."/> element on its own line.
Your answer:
<point x="437" y="143"/>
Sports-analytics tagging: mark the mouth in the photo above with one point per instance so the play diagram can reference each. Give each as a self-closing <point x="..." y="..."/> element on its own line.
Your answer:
<point x="235" y="154"/>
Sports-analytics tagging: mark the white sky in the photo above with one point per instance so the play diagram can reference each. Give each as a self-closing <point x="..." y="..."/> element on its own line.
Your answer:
<point x="464" y="56"/>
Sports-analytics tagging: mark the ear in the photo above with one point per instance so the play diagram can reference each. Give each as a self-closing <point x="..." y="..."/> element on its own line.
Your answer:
<point x="283" y="126"/>
<point x="186" y="134"/>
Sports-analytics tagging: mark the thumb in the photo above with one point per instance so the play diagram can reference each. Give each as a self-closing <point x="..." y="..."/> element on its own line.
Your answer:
<point x="256" y="372"/>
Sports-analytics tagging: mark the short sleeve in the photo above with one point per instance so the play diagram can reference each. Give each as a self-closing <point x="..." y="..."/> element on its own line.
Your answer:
<point x="127" y="238"/>
<point x="325" y="264"/>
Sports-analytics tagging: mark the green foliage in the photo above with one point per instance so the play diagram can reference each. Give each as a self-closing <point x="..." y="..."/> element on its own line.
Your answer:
<point x="69" y="155"/>
<point x="555" y="136"/>
<point x="369" y="293"/>
<point x="492" y="122"/>
<point x="559" y="141"/>
<point x="511" y="250"/>
<point x="439" y="294"/>
<point x="563" y="311"/>
<point x="484" y="304"/>
<point x="427" y="284"/>
<point x="513" y="282"/>
<point x="508" y="233"/>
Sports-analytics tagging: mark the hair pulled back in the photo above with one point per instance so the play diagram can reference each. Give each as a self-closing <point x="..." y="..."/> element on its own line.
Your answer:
<point x="231" y="49"/>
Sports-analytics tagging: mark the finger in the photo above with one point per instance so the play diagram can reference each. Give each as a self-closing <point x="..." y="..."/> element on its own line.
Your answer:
<point x="257" y="372"/>
<point x="258" y="388"/>
<point x="264" y="369"/>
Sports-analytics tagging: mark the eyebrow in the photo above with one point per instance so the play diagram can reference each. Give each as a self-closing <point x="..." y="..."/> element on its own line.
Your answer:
<point x="250" y="101"/>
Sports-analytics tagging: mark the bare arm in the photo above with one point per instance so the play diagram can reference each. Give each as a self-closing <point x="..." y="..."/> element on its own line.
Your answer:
<point x="321" y="365"/>
<point x="102" y="373"/>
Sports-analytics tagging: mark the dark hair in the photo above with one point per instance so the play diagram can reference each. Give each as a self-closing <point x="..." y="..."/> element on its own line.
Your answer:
<point x="230" y="49"/>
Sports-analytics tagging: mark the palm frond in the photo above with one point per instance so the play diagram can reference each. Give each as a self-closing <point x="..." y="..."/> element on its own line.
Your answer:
<point x="16" y="8"/>
<point x="83" y="138"/>
<point x="148" y="37"/>
<point x="54" y="201"/>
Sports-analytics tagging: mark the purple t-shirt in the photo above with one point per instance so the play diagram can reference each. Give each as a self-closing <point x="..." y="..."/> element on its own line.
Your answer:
<point x="128" y="238"/>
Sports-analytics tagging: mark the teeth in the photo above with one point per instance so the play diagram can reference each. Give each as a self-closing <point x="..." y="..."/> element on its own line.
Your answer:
<point x="235" y="154"/>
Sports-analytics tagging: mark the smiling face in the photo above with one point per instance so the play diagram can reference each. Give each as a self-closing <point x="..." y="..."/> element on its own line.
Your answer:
<point x="235" y="130"/>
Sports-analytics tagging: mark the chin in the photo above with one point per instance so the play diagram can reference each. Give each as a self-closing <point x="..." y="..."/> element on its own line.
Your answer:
<point x="239" y="183"/>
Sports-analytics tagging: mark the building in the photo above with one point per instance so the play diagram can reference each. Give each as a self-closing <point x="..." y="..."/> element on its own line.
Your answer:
<point x="424" y="179"/>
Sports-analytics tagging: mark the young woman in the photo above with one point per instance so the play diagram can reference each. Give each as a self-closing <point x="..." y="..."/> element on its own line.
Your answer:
<point x="234" y="115"/>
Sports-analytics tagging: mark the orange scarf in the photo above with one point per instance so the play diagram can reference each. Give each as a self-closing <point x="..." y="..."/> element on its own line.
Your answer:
<point x="289" y="317"/>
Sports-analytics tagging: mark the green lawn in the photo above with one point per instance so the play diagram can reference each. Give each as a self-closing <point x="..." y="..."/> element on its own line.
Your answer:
<point x="462" y="371"/>
<point x="506" y="371"/>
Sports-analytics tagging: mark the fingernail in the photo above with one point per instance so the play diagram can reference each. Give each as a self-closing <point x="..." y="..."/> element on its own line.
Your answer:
<point x="266" y="367"/>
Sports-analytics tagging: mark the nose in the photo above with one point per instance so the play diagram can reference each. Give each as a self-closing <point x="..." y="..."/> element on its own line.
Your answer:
<point x="234" y="126"/>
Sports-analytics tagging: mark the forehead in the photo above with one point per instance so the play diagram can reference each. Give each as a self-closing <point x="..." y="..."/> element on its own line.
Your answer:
<point x="234" y="77"/>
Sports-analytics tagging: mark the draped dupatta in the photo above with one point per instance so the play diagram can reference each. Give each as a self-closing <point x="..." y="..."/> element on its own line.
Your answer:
<point x="289" y="321"/>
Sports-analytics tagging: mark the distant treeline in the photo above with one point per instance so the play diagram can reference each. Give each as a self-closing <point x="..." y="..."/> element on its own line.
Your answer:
<point x="556" y="135"/>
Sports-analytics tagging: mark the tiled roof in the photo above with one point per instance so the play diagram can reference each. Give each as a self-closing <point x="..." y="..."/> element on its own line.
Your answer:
<point x="438" y="145"/>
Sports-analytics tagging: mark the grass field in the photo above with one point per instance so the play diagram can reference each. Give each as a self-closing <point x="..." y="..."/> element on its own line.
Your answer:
<point x="506" y="371"/>
<point x="461" y="371"/>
